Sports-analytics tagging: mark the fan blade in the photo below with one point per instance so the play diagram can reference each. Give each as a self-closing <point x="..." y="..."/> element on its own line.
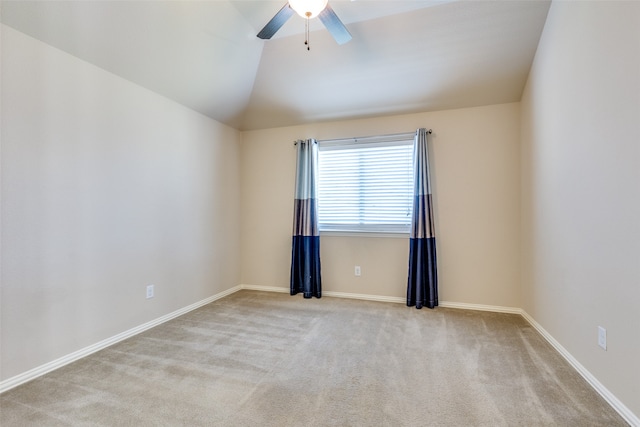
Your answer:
<point x="276" y="22"/>
<point x="334" y="25"/>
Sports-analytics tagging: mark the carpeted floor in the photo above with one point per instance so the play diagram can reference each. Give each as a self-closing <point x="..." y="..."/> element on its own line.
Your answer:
<point x="268" y="359"/>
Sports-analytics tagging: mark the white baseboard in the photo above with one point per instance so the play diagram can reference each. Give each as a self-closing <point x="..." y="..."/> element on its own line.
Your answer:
<point x="401" y="300"/>
<point x="265" y="288"/>
<point x="365" y="297"/>
<point x="34" y="373"/>
<point x="480" y="307"/>
<point x="326" y="293"/>
<point x="615" y="403"/>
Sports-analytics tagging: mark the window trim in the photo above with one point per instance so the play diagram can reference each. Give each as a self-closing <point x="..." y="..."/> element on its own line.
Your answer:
<point x="370" y="230"/>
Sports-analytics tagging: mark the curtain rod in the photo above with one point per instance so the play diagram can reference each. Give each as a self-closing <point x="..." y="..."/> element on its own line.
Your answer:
<point x="356" y="138"/>
<point x="391" y="135"/>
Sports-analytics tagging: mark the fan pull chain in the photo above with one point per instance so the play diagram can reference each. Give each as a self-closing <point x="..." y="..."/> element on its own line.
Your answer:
<point x="306" y="31"/>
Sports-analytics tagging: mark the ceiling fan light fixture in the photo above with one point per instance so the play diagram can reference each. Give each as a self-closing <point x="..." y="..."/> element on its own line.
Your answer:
<point x="308" y="8"/>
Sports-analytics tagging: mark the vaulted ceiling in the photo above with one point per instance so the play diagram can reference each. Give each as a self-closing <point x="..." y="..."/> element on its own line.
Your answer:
<point x="405" y="56"/>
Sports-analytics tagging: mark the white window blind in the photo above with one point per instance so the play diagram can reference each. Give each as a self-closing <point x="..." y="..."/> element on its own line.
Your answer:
<point x="366" y="184"/>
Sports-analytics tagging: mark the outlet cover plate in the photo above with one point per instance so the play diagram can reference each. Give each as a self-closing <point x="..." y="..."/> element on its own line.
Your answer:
<point x="602" y="337"/>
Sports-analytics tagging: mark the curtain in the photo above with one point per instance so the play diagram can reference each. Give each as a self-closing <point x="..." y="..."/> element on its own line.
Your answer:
<point x="305" y="253"/>
<point x="422" y="287"/>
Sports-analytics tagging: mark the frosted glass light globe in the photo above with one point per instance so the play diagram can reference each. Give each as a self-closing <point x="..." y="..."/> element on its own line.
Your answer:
<point x="308" y="8"/>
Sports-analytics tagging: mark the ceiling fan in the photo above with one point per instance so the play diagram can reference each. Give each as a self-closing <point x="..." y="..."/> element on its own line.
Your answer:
<point x="308" y="9"/>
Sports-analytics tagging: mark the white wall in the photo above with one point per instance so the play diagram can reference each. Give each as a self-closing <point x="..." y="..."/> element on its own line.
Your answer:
<point x="475" y="168"/>
<point x="581" y="188"/>
<point x="106" y="187"/>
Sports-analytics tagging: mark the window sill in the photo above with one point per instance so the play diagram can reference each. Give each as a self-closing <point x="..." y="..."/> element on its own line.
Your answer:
<point x="394" y="235"/>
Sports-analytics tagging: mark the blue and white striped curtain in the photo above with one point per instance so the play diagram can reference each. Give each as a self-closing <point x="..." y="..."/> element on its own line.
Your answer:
<point x="422" y="288"/>
<point x="305" y="254"/>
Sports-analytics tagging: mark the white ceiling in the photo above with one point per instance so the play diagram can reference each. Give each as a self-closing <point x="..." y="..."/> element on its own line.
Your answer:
<point x="405" y="56"/>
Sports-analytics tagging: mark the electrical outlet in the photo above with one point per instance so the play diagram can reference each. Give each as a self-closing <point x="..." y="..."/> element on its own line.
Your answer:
<point x="358" y="272"/>
<point x="602" y="337"/>
<point x="150" y="291"/>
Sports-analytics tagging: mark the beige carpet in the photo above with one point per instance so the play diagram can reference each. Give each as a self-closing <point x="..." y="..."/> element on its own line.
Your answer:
<point x="267" y="359"/>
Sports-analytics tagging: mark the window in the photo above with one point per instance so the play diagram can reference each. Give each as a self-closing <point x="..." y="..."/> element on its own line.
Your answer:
<point x="366" y="184"/>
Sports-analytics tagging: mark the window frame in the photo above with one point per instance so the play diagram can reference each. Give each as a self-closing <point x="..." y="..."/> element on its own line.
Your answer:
<point x="363" y="229"/>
